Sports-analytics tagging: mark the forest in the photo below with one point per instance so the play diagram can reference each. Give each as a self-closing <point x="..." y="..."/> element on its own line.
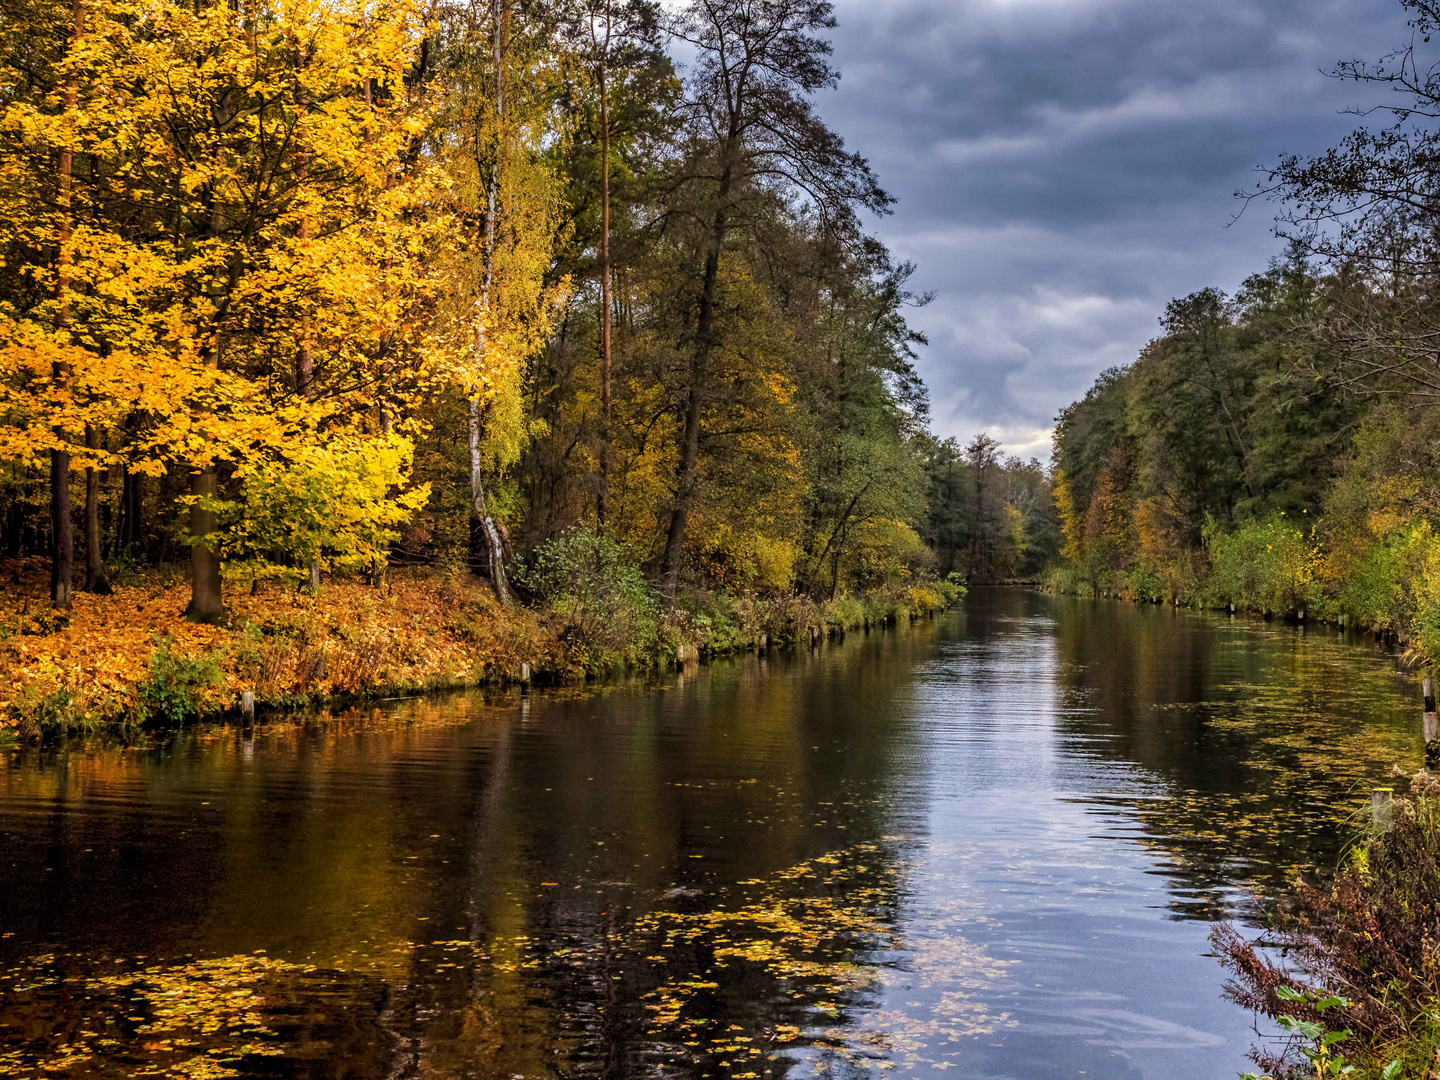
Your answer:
<point x="1275" y="451"/>
<point x="362" y="334"/>
<point x="1271" y="452"/>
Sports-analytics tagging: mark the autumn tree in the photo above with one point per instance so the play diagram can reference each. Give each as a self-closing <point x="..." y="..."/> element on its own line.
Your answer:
<point x="243" y="282"/>
<point x="866" y="406"/>
<point x="618" y="144"/>
<point x="499" y="82"/>
<point x="619" y="39"/>
<point x="752" y="134"/>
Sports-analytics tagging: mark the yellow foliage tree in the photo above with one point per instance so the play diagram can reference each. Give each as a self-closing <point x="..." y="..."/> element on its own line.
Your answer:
<point x="240" y="260"/>
<point x="506" y="206"/>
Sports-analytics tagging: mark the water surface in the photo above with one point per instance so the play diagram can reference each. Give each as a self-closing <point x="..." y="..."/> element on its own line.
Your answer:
<point x="985" y="846"/>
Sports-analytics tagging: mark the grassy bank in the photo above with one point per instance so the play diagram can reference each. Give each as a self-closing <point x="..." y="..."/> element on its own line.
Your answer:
<point x="131" y="658"/>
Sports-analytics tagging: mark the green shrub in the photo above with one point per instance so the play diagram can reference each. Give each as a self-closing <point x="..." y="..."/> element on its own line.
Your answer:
<point x="604" y="607"/>
<point x="175" y="690"/>
<point x="35" y="714"/>
<point x="1265" y="566"/>
<point x="952" y="590"/>
<point x="1146" y="583"/>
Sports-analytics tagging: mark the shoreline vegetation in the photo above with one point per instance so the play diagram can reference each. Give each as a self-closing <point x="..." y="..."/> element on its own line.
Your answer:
<point x="353" y="349"/>
<point x="1277" y="451"/>
<point x="404" y="346"/>
<point x="130" y="659"/>
<point x="1345" y="967"/>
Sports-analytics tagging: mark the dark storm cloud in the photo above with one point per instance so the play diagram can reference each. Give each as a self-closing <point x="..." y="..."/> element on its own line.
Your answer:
<point x="1064" y="167"/>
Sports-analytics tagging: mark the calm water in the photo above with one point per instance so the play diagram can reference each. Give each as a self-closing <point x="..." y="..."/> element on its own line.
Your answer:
<point x="991" y="844"/>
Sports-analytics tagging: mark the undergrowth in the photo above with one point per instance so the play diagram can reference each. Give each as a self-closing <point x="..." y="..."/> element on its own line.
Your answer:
<point x="1368" y="941"/>
<point x="131" y="658"/>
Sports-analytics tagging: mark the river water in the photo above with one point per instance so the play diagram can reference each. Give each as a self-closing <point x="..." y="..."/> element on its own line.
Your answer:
<point x="990" y="845"/>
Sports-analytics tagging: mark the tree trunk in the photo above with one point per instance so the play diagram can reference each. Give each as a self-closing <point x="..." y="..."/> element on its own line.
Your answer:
<point x="62" y="528"/>
<point x="602" y="508"/>
<point x="132" y="525"/>
<point x="305" y="387"/>
<point x="206" y="604"/>
<point x="494" y="545"/>
<point x="699" y="366"/>
<point x="94" y="563"/>
<point x="684" y="492"/>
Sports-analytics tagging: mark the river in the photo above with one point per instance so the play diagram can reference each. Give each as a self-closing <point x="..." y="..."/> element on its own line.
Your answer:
<point x="989" y="845"/>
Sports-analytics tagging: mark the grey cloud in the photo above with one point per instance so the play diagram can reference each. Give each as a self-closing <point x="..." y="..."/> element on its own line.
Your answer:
<point x="1064" y="167"/>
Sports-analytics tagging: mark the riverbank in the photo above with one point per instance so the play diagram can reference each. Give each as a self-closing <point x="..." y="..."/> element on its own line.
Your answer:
<point x="1347" y="966"/>
<point x="1283" y="568"/>
<point x="131" y="658"/>
<point x="462" y="844"/>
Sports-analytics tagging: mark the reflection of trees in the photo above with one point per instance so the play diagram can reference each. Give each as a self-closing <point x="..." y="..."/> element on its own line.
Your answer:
<point x="485" y="893"/>
<point x="617" y="938"/>
<point x="663" y="879"/>
<point x="1260" y="736"/>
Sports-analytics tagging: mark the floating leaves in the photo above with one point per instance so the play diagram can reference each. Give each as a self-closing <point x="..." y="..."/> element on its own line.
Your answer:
<point x="196" y="1020"/>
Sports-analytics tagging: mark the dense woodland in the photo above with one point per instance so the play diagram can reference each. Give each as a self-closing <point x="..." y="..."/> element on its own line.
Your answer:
<point x="1277" y="450"/>
<point x="298" y="291"/>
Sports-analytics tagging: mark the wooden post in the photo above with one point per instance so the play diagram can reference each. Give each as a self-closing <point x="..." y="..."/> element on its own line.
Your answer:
<point x="1382" y="807"/>
<point x="680" y="655"/>
<point x="524" y="674"/>
<point x="247" y="706"/>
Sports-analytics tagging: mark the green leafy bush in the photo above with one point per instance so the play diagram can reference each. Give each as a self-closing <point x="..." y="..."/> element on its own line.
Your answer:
<point x="175" y="690"/>
<point x="1265" y="566"/>
<point x="339" y="506"/>
<point x="600" y="599"/>
<point x="952" y="590"/>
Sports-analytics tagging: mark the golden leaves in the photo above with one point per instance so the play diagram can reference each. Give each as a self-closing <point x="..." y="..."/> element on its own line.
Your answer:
<point x="195" y="1019"/>
<point x="423" y="631"/>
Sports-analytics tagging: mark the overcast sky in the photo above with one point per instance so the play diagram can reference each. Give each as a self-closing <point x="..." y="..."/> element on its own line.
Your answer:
<point x="1065" y="167"/>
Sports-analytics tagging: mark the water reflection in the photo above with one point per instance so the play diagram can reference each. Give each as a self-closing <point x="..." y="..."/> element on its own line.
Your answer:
<point x="980" y="844"/>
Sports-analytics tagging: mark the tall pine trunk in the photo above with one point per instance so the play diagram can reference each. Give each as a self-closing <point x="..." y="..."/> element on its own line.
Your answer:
<point x="602" y="507"/>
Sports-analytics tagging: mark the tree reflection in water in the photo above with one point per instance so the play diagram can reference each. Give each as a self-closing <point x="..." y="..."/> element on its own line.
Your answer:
<point x="891" y="854"/>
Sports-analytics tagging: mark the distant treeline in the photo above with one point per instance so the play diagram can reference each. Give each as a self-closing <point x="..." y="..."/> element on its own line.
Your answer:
<point x="1251" y="456"/>
<point x="1279" y="450"/>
